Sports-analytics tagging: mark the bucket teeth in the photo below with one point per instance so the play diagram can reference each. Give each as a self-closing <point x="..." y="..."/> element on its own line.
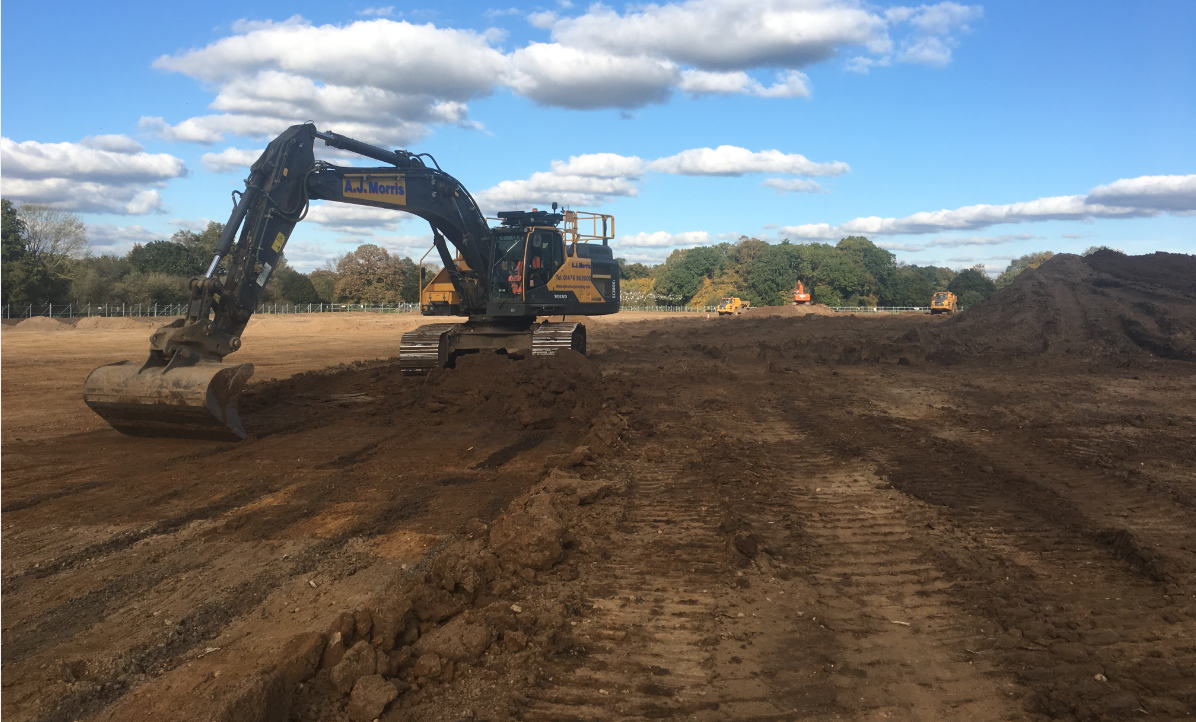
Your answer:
<point x="195" y="402"/>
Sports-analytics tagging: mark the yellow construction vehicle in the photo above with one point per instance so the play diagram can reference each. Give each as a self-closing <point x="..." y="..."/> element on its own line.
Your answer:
<point x="944" y="302"/>
<point x="732" y="306"/>
<point x="504" y="278"/>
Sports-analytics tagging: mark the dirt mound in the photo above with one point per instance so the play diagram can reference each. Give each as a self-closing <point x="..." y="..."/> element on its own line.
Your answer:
<point x="790" y="310"/>
<point x="1104" y="304"/>
<point x="41" y="323"/>
<point x="114" y="324"/>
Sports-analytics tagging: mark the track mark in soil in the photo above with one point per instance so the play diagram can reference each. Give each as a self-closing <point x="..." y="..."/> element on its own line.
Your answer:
<point x="36" y="499"/>
<point x="505" y="454"/>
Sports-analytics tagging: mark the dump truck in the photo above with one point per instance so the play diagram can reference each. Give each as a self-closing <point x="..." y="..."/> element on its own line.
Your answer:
<point x="944" y="302"/>
<point x="732" y="306"/>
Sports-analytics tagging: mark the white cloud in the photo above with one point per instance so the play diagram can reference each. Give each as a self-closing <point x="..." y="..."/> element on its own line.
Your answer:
<point x="355" y="220"/>
<point x="230" y="159"/>
<point x="792" y="185"/>
<point x="860" y="64"/>
<point x="729" y="160"/>
<point x="600" y="165"/>
<point x="112" y="239"/>
<point x="191" y="224"/>
<point x="553" y="74"/>
<point x="381" y="80"/>
<point x="980" y="240"/>
<point x="724" y="35"/>
<point x="663" y="239"/>
<point x="1141" y="197"/>
<point x="101" y="174"/>
<point x="1160" y="192"/>
<point x="596" y="178"/>
<point x="790" y="84"/>
<point x="388" y="81"/>
<point x="544" y="188"/>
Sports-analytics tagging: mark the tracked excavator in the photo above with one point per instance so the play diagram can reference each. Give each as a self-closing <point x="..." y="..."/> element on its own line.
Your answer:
<point x="503" y="278"/>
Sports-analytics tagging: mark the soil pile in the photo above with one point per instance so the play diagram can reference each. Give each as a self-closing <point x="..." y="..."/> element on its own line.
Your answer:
<point x="1106" y="304"/>
<point x="40" y="324"/>
<point x="564" y="392"/>
<point x="790" y="310"/>
<point x="118" y="323"/>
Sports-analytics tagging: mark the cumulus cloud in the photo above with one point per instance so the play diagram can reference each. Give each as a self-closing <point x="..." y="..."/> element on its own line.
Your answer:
<point x="1159" y="192"/>
<point x="730" y="160"/>
<point x="388" y="81"/>
<point x="381" y="80"/>
<point x="1141" y="197"/>
<point x="792" y="185"/>
<point x="109" y="238"/>
<point x="597" y="178"/>
<point x="789" y="84"/>
<point x="230" y="159"/>
<point x="100" y="174"/>
<point x="355" y="220"/>
<point x="663" y="239"/>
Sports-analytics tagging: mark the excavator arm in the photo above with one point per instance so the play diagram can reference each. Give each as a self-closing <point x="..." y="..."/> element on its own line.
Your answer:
<point x="184" y="389"/>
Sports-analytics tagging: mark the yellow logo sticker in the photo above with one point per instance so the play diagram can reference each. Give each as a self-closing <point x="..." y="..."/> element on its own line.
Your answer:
<point x="574" y="276"/>
<point x="384" y="189"/>
<point x="279" y="241"/>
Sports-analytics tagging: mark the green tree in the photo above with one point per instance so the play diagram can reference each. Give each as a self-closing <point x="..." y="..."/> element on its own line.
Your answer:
<point x="686" y="269"/>
<point x="11" y="230"/>
<point x="971" y="286"/>
<point x="827" y="296"/>
<point x="170" y="258"/>
<point x="632" y="271"/>
<point x="40" y="246"/>
<point x="1095" y="249"/>
<point x="1016" y="266"/>
<point x="96" y="277"/>
<point x="297" y="288"/>
<point x="369" y="275"/>
<point x="412" y="284"/>
<point x="324" y="281"/>
<point x="907" y="287"/>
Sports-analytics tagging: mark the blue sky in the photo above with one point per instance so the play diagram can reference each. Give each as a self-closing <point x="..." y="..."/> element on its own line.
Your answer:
<point x="952" y="134"/>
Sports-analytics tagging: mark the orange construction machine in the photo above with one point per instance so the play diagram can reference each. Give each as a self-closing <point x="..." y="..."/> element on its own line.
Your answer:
<point x="800" y="296"/>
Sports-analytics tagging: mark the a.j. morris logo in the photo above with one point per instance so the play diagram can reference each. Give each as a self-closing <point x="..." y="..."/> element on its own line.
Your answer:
<point x="387" y="189"/>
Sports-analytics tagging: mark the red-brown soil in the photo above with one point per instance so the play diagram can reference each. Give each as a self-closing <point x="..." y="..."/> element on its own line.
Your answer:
<point x="879" y="517"/>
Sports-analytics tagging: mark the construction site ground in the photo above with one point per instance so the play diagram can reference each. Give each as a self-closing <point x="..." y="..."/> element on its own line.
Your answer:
<point x="792" y="517"/>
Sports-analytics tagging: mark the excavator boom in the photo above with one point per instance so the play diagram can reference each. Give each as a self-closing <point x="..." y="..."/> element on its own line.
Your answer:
<point x="185" y="389"/>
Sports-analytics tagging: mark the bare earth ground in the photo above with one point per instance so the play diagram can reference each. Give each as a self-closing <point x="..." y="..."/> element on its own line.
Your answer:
<point x="771" y="518"/>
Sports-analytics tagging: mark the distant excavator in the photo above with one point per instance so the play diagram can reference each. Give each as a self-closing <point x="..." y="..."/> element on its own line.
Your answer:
<point x="800" y="296"/>
<point x="502" y="278"/>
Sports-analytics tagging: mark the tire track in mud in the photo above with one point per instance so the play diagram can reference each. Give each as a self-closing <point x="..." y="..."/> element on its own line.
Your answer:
<point x="1087" y="616"/>
<point x="643" y="640"/>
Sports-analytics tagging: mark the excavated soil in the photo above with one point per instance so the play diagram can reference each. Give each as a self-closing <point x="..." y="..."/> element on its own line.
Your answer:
<point x="813" y="517"/>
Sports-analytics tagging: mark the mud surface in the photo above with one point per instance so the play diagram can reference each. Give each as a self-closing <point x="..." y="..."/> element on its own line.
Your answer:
<point x="812" y="517"/>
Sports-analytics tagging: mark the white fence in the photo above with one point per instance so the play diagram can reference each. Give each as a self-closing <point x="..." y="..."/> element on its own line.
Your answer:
<point x="880" y="309"/>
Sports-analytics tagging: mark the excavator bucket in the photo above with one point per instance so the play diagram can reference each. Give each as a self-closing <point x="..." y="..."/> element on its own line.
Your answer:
<point x="194" y="402"/>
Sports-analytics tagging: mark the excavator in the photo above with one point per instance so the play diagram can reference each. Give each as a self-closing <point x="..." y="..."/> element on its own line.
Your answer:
<point x="801" y="297"/>
<point x="503" y="278"/>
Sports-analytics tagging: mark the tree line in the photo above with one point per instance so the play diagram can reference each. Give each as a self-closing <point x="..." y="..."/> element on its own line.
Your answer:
<point x="853" y="272"/>
<point x="47" y="259"/>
